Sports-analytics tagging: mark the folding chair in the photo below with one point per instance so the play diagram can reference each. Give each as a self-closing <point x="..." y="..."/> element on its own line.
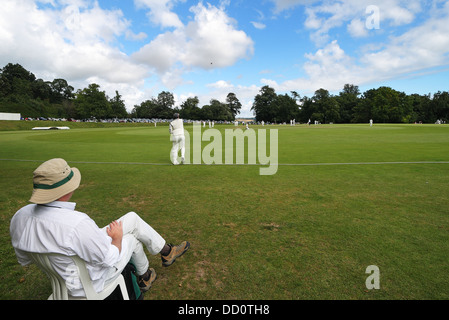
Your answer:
<point x="59" y="287"/>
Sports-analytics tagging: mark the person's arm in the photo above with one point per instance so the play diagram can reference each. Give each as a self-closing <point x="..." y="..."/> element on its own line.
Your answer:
<point x="115" y="231"/>
<point x="94" y="245"/>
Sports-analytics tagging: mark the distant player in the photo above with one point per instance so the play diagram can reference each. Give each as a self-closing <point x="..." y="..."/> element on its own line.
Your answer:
<point x="371" y="123"/>
<point x="176" y="129"/>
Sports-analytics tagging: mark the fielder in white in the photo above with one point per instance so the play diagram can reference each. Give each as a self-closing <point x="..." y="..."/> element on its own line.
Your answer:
<point x="177" y="136"/>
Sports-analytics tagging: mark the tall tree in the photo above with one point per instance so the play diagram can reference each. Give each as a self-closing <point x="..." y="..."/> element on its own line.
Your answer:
<point x="16" y="81"/>
<point x="118" y="107"/>
<point x="233" y="104"/>
<point x="217" y="110"/>
<point x="165" y="103"/>
<point x="440" y="103"/>
<point x="348" y="100"/>
<point x="41" y="90"/>
<point x="327" y="108"/>
<point x="61" y="90"/>
<point x="264" y="107"/>
<point x="190" y="109"/>
<point x="287" y="106"/>
<point x="91" y="102"/>
<point x="388" y="105"/>
<point x="306" y="109"/>
<point x="146" y="110"/>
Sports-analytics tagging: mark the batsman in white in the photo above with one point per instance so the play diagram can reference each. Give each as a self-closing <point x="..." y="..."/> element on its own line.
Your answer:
<point x="177" y="136"/>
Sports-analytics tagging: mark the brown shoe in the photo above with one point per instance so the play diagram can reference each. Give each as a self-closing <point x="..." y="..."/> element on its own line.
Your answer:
<point x="145" y="285"/>
<point x="175" y="252"/>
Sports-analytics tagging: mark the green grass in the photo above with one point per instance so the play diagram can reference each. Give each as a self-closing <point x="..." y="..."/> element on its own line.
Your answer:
<point x="308" y="232"/>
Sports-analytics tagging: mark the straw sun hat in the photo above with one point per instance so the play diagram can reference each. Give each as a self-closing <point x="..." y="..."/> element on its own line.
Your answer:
<point x="52" y="180"/>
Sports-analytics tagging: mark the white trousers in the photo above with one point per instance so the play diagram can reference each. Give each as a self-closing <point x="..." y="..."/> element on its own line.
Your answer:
<point x="136" y="234"/>
<point x="179" y="143"/>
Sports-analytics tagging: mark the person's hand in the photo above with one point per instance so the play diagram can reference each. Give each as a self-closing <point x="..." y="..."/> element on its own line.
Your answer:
<point x="115" y="231"/>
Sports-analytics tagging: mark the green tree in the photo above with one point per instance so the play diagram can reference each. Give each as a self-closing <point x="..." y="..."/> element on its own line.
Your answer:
<point x="363" y="111"/>
<point x="20" y="91"/>
<point x="190" y="109"/>
<point x="440" y="105"/>
<point x="146" y="110"/>
<point x="16" y="83"/>
<point x="165" y="103"/>
<point x="420" y="106"/>
<point x="41" y="90"/>
<point x="92" y="103"/>
<point x="348" y="99"/>
<point x="233" y="104"/>
<point x="61" y="91"/>
<point x="306" y="109"/>
<point x="326" y="106"/>
<point x="118" y="108"/>
<point x="264" y="106"/>
<point x="384" y="105"/>
<point x="287" y="108"/>
<point x="388" y="105"/>
<point x="216" y="110"/>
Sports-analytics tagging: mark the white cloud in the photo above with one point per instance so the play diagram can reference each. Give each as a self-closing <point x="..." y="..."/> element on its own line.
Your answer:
<point x="324" y="16"/>
<point x="329" y="68"/>
<point x="398" y="15"/>
<point x="425" y="46"/>
<point x="258" y="25"/>
<point x="70" y="39"/>
<point x="74" y="42"/>
<point x="211" y="40"/>
<point x="163" y="52"/>
<point x="312" y="21"/>
<point x="357" y="28"/>
<point x="213" y="37"/>
<point x="221" y="84"/>
<point x="160" y="12"/>
<point x="135" y="37"/>
<point x="79" y="41"/>
<point x="419" y="49"/>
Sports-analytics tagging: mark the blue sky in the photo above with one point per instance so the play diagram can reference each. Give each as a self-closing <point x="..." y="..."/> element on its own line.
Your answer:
<point x="210" y="48"/>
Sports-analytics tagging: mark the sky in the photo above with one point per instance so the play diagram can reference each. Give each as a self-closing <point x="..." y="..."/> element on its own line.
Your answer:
<point x="211" y="48"/>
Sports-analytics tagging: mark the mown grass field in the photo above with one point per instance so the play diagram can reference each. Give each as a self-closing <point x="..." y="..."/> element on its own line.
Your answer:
<point x="307" y="232"/>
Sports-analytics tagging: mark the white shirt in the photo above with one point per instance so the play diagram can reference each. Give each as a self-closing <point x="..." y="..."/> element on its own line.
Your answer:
<point x="57" y="228"/>
<point x="177" y="127"/>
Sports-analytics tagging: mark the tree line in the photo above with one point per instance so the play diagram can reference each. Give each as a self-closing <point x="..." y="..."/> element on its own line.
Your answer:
<point x="21" y="92"/>
<point x="162" y="107"/>
<point x="382" y="105"/>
